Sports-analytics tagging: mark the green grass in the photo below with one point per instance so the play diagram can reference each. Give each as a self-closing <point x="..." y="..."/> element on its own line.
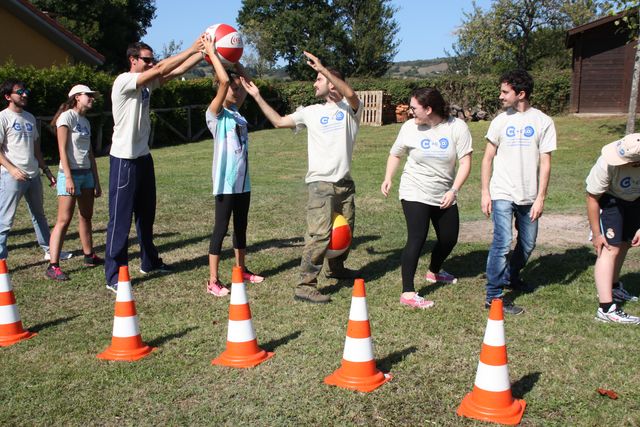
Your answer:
<point x="558" y="355"/>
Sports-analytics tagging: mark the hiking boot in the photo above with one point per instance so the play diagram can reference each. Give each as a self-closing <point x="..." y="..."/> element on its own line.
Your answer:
<point x="217" y="288"/>
<point x="520" y="285"/>
<point x="616" y="315"/>
<point x="442" y="277"/>
<point x="54" y="272"/>
<point x="309" y="293"/>
<point x="507" y="307"/>
<point x="92" y="260"/>
<point x="251" y="277"/>
<point x="63" y="256"/>
<point x="162" y="268"/>
<point x="113" y="288"/>
<point x="416" y="302"/>
<point x="343" y="274"/>
<point x="620" y="294"/>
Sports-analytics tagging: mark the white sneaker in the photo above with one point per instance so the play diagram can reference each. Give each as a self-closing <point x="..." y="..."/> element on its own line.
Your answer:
<point x="616" y="315"/>
<point x="620" y="294"/>
<point x="63" y="256"/>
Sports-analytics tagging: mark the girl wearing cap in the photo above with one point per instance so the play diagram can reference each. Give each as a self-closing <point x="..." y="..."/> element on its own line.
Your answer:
<point x="231" y="184"/>
<point x="77" y="177"/>
<point x="432" y="141"/>
<point x="613" y="208"/>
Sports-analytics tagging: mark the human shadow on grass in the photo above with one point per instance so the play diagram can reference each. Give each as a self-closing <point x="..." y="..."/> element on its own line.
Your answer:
<point x="273" y="344"/>
<point x="556" y="268"/>
<point x="157" y="342"/>
<point x="33" y="243"/>
<point x="385" y="364"/>
<point x="524" y="385"/>
<point x="41" y="326"/>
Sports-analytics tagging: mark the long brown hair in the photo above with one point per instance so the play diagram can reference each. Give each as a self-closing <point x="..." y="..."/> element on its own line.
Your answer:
<point x="67" y="105"/>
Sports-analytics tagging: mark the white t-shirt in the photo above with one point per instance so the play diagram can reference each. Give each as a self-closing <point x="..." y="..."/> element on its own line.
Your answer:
<point x="18" y="135"/>
<point x="332" y="129"/>
<point x="78" y="139"/>
<point x="131" y="121"/>
<point x="431" y="158"/>
<point x="520" y="138"/>
<point x="622" y="181"/>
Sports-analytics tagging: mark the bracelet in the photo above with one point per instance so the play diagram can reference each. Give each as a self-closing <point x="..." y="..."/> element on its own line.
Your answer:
<point x="454" y="191"/>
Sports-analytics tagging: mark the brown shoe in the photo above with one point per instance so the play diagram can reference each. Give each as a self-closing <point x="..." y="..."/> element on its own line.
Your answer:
<point x="309" y="293"/>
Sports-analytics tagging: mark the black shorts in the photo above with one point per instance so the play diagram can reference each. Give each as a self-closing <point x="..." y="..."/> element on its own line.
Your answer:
<point x="619" y="219"/>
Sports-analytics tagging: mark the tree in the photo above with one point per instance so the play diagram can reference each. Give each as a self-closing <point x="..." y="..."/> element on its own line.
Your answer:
<point x="354" y="36"/>
<point x="171" y="49"/>
<point x="106" y="25"/>
<point x="518" y="34"/>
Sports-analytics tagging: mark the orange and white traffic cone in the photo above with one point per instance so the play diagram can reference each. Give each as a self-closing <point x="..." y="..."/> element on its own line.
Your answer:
<point x="242" y="346"/>
<point x="11" y="330"/>
<point x="358" y="370"/>
<point x="126" y="343"/>
<point x="491" y="398"/>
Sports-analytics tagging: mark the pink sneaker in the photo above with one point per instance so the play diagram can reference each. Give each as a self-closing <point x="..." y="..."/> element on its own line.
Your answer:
<point x="416" y="302"/>
<point x="251" y="277"/>
<point x="217" y="288"/>
<point x="442" y="277"/>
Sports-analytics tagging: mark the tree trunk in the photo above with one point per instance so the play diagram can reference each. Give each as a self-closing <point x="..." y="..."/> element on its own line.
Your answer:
<point x="633" y="96"/>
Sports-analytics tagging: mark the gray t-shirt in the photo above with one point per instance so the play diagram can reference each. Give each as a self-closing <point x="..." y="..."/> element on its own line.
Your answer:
<point x="431" y="158"/>
<point x="78" y="139"/>
<point x="18" y="135"/>
<point x="622" y="181"/>
<point x="332" y="129"/>
<point x="520" y="138"/>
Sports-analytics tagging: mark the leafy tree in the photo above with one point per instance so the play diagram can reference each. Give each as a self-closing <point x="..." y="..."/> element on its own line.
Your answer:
<point x="518" y="33"/>
<point x="171" y="48"/>
<point x="106" y="25"/>
<point x="354" y="36"/>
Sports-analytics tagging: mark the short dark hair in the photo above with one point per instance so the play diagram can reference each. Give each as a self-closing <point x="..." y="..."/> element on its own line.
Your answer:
<point x="8" y="85"/>
<point x="431" y="97"/>
<point x="335" y="72"/>
<point x="134" y="49"/>
<point x="519" y="80"/>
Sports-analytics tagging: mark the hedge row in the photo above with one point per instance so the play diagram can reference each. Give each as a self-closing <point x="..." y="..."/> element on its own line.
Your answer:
<point x="50" y="87"/>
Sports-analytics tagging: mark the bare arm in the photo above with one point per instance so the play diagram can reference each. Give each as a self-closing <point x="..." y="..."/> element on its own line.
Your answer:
<point x="223" y="78"/>
<point x="41" y="163"/>
<point x="485" y="177"/>
<point x="17" y="173"/>
<point x="97" y="190"/>
<point x="392" y="165"/>
<point x="593" y="213"/>
<point x="62" y="133"/>
<point x="543" y="184"/>
<point x="272" y="115"/>
<point x="464" y="169"/>
<point x="162" y="70"/>
<point x="340" y="85"/>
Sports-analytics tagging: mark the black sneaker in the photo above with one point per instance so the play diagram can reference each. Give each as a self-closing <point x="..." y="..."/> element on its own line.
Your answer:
<point x="309" y="293"/>
<point x="92" y="260"/>
<point x="508" y="307"/>
<point x="162" y="268"/>
<point x="343" y="274"/>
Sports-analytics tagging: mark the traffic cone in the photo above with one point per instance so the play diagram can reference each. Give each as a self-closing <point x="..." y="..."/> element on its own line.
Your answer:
<point x="242" y="346"/>
<point x="358" y="370"/>
<point x="126" y="343"/>
<point x="11" y="330"/>
<point x="491" y="398"/>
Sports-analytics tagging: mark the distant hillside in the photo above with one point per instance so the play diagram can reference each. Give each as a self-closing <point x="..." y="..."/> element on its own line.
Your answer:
<point x="399" y="70"/>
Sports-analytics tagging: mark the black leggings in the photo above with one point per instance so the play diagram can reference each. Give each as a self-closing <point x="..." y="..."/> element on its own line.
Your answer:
<point x="446" y="223"/>
<point x="225" y="205"/>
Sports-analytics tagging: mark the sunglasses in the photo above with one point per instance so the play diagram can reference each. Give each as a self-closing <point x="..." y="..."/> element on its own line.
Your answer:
<point x="90" y="95"/>
<point x="147" y="59"/>
<point x="22" y="92"/>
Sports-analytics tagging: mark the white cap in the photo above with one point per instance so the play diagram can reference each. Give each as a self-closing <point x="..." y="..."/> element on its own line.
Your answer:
<point x="78" y="89"/>
<point x="623" y="151"/>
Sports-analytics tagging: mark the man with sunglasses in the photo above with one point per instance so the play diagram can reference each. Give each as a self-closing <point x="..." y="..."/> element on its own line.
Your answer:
<point x="20" y="157"/>
<point x="132" y="185"/>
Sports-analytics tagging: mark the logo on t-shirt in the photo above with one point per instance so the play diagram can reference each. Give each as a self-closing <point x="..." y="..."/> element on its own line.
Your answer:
<point x="339" y="115"/>
<point x="520" y="136"/>
<point x="425" y="143"/>
<point x="82" y="130"/>
<point x="324" y="120"/>
<point x="444" y="143"/>
<point x="434" y="148"/>
<point x="625" y="182"/>
<point x="145" y="94"/>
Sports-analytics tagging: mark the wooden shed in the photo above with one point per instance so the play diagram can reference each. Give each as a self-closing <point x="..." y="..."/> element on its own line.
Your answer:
<point x="602" y="66"/>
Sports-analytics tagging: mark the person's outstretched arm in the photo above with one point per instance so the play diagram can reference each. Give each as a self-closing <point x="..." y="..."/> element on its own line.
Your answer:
<point x="272" y="115"/>
<point x="340" y="85"/>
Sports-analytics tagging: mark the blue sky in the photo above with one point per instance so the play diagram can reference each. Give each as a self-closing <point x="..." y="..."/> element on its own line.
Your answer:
<point x="426" y="26"/>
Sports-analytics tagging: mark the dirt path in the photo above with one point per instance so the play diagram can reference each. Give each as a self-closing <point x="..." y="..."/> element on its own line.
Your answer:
<point x="554" y="230"/>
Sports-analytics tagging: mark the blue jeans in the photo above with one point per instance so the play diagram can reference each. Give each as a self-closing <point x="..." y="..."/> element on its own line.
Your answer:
<point x="11" y="191"/>
<point x="498" y="275"/>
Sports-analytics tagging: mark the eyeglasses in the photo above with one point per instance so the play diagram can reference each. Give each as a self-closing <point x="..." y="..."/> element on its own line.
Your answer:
<point x="413" y="109"/>
<point x="147" y="59"/>
<point x="23" y="92"/>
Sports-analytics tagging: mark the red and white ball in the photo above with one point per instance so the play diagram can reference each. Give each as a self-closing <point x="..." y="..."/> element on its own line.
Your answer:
<point x="228" y="41"/>
<point x="340" y="236"/>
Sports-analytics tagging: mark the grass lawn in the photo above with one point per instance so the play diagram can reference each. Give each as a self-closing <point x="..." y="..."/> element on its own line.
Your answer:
<point x="558" y="354"/>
